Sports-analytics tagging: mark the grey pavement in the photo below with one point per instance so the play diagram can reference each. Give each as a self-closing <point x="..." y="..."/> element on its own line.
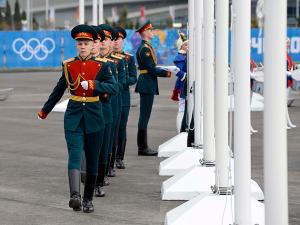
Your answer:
<point x="33" y="161"/>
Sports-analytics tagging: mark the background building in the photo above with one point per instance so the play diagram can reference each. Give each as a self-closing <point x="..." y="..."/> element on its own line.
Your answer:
<point x="64" y="14"/>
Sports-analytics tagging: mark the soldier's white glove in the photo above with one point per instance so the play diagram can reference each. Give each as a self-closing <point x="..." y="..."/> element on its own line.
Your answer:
<point x="85" y="85"/>
<point x="173" y="69"/>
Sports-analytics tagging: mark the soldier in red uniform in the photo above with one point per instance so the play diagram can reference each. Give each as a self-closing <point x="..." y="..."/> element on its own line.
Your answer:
<point x="87" y="78"/>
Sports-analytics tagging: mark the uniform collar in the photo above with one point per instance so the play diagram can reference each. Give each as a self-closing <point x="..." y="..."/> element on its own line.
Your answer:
<point x="146" y="42"/>
<point x="86" y="58"/>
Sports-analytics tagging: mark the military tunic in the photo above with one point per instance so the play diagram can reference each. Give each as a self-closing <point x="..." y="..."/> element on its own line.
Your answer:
<point x="83" y="120"/>
<point x="147" y="84"/>
<point x="131" y="78"/>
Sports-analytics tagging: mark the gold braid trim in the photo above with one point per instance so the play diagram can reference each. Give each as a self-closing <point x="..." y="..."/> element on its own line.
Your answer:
<point x="75" y="84"/>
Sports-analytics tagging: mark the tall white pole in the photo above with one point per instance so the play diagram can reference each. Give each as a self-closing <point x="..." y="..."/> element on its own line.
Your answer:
<point x="275" y="139"/>
<point x="47" y="11"/>
<point x="191" y="59"/>
<point x="242" y="143"/>
<point x="198" y="67"/>
<point x="208" y="85"/>
<point x="28" y="16"/>
<point x="81" y="11"/>
<point x="95" y="10"/>
<point x="297" y="9"/>
<point x="222" y="150"/>
<point x="100" y="13"/>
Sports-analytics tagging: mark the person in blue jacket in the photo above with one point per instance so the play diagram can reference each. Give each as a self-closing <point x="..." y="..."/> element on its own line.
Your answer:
<point x="179" y="91"/>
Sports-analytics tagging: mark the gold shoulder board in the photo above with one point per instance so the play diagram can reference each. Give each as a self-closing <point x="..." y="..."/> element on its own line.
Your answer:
<point x="127" y="53"/>
<point x="109" y="60"/>
<point x="101" y="59"/>
<point x="68" y="60"/>
<point x="121" y="55"/>
<point x="115" y="56"/>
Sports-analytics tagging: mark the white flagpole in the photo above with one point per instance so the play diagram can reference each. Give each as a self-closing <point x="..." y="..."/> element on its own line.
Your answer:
<point x="191" y="59"/>
<point x="100" y="13"/>
<point x="208" y="86"/>
<point x="242" y="141"/>
<point x="222" y="184"/>
<point x="275" y="137"/>
<point x="81" y="11"/>
<point x="198" y="67"/>
<point x="95" y="15"/>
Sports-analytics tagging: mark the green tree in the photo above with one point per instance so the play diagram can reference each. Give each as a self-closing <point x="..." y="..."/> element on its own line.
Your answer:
<point x="123" y="18"/>
<point x="137" y="24"/>
<point x="169" y="22"/>
<point x="35" y="24"/>
<point x="17" y="16"/>
<point x="8" y="16"/>
<point x="23" y="16"/>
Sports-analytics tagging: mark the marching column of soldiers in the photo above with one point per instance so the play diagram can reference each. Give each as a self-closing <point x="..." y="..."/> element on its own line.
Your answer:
<point x="98" y="80"/>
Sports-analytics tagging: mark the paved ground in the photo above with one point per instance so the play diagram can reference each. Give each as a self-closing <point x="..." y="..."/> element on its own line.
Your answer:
<point x="33" y="174"/>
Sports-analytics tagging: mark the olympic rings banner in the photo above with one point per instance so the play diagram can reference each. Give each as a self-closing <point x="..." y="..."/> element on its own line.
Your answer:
<point x="47" y="49"/>
<point x="33" y="49"/>
<point x="1" y="50"/>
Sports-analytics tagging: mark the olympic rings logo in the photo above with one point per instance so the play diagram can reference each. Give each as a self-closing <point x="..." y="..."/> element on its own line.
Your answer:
<point x="33" y="48"/>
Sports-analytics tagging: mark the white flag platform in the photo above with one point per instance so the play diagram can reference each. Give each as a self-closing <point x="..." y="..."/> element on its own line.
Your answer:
<point x="173" y="145"/>
<point x="197" y="180"/>
<point x="183" y="160"/>
<point x="4" y="93"/>
<point x="257" y="102"/>
<point x="211" y="209"/>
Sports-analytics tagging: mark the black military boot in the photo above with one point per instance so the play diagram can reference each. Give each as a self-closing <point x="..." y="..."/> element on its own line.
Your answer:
<point x="111" y="171"/>
<point x="190" y="138"/>
<point x="83" y="168"/>
<point x="120" y="154"/>
<point x="143" y="145"/>
<point x="99" y="191"/>
<point x="106" y="178"/>
<point x="74" y="183"/>
<point x="87" y="202"/>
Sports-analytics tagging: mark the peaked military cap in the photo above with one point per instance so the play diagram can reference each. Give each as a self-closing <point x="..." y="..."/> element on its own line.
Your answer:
<point x="144" y="27"/>
<point x="100" y="33"/>
<point x="83" y="31"/>
<point x="121" y="32"/>
<point x="108" y="31"/>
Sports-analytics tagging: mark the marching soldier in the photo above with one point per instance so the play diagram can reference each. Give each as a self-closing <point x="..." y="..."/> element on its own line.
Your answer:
<point x="116" y="100"/>
<point x="86" y="77"/>
<point x="101" y="50"/>
<point x="147" y="85"/>
<point x="131" y="79"/>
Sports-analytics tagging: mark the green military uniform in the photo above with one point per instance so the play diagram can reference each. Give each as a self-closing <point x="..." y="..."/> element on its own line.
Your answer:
<point x="118" y="68"/>
<point x="131" y="78"/>
<point x="121" y="74"/>
<point x="147" y="87"/>
<point x="83" y="120"/>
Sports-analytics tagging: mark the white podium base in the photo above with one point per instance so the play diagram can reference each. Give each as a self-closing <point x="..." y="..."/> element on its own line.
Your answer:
<point x="183" y="160"/>
<point x="197" y="180"/>
<point x="211" y="210"/>
<point x="173" y="146"/>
